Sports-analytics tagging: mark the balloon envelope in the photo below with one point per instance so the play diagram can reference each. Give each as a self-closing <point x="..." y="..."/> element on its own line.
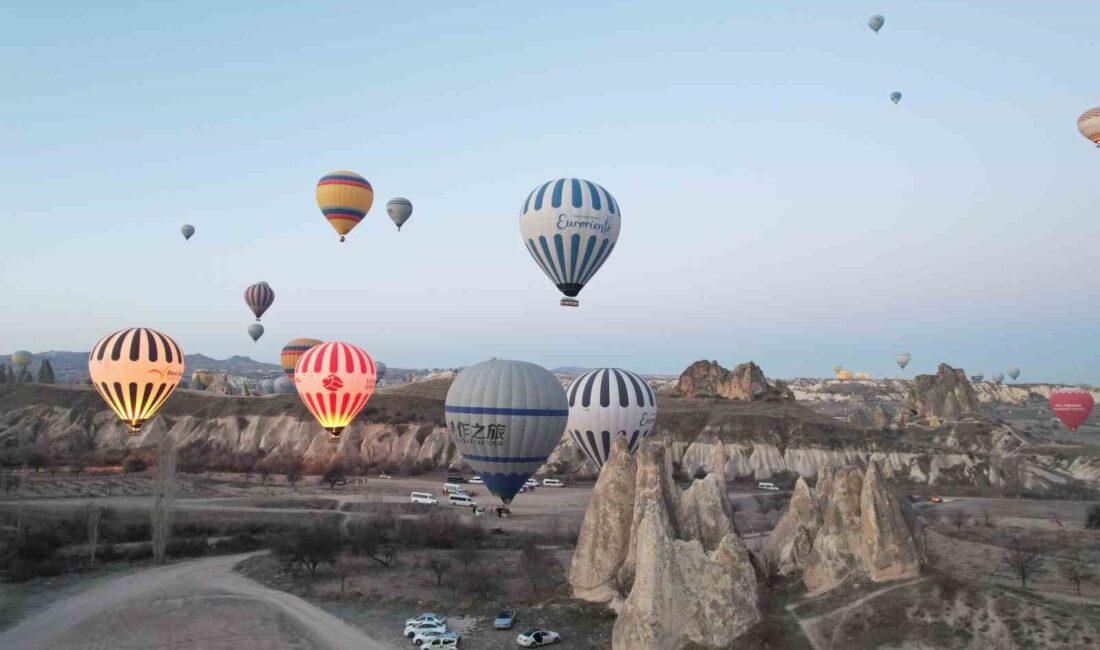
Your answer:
<point x="876" y="22"/>
<point x="259" y="297"/>
<point x="255" y="330"/>
<point x="1071" y="405"/>
<point x="285" y="386"/>
<point x="506" y="417"/>
<point x="903" y="359"/>
<point x="399" y="209"/>
<point x="292" y="351"/>
<point x="345" y="199"/>
<point x="187" y="230"/>
<point x="21" y="358"/>
<point x="895" y="97"/>
<point x="998" y="377"/>
<point x="606" y="403"/>
<point x="267" y="386"/>
<point x="1089" y="125"/>
<point x="135" y="370"/>
<point x="1013" y="372"/>
<point x="335" y="380"/>
<point x="380" y="369"/>
<point x="977" y="377"/>
<point x="570" y="227"/>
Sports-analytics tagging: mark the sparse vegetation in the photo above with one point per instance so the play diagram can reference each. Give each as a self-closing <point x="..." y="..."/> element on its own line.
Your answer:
<point x="1077" y="571"/>
<point x="1024" y="559"/>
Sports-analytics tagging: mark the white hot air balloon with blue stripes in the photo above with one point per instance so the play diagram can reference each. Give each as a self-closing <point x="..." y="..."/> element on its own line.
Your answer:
<point x="506" y="417"/>
<point x="570" y="227"/>
<point x="609" y="402"/>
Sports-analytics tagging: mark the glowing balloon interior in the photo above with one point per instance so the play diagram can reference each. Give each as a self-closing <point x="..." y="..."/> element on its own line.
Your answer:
<point x="135" y="371"/>
<point x="334" y="381"/>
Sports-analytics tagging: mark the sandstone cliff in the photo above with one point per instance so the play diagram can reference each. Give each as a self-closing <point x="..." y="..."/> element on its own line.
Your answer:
<point x="946" y="396"/>
<point x="745" y="382"/>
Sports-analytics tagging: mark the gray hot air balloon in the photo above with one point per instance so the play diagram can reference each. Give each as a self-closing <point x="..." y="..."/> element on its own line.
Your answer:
<point x="285" y="386"/>
<point x="267" y="386"/>
<point x="895" y="97"/>
<point x="187" y="230"/>
<point x="998" y="377"/>
<point x="255" y="330"/>
<point x="903" y="359"/>
<point x="978" y="377"/>
<point x="506" y="417"/>
<point x="1013" y="372"/>
<point x="876" y="22"/>
<point x="399" y="209"/>
<point x="379" y="370"/>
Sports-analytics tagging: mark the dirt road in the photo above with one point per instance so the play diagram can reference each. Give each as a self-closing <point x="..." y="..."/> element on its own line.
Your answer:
<point x="197" y="604"/>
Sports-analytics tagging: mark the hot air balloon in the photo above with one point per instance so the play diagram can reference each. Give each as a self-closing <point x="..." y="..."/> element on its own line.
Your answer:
<point x="876" y="22"/>
<point x="380" y="369"/>
<point x="267" y="386"/>
<point x="187" y="230"/>
<point x="285" y="386"/>
<point x="1013" y="372"/>
<point x="1089" y="125"/>
<point x="895" y="97"/>
<point x="837" y="368"/>
<point x="259" y="297"/>
<point x="903" y="359"/>
<point x="292" y="351"/>
<point x="998" y="377"/>
<point x="344" y="198"/>
<point x="977" y="377"/>
<point x="1071" y="405"/>
<point x="335" y="380"/>
<point x="135" y="370"/>
<point x="255" y="330"/>
<point x="21" y="359"/>
<point x="570" y="227"/>
<point x="606" y="403"/>
<point x="399" y="209"/>
<point x="506" y="417"/>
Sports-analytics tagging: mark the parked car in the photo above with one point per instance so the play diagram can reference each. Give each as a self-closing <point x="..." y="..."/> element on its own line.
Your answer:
<point x="479" y="511"/>
<point x="456" y="478"/>
<point x="463" y="500"/>
<point x="935" y="499"/>
<point x="476" y="481"/>
<point x="535" y="638"/>
<point x="532" y="482"/>
<point x="763" y="485"/>
<point x="505" y="619"/>
<point x="429" y="635"/>
<point x="425" y="626"/>
<point x="453" y="488"/>
<point x="426" y="617"/>
<point x="443" y="641"/>
<point x="425" y="498"/>
<point x="552" y="482"/>
<point x="384" y="476"/>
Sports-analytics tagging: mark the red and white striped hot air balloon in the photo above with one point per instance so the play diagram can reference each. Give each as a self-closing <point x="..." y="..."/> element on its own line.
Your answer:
<point x="1071" y="405"/>
<point x="334" y="381"/>
<point x="1089" y="125"/>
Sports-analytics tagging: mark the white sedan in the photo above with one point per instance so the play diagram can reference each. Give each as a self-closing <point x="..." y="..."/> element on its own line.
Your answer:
<point x="477" y="480"/>
<point x="534" y="638"/>
<point x="413" y="630"/>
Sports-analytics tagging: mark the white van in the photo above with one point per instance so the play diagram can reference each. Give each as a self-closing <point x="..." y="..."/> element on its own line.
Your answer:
<point x="552" y="482"/>
<point x="771" y="487"/>
<point x="425" y="498"/>
<point x="453" y="488"/>
<point x="463" y="500"/>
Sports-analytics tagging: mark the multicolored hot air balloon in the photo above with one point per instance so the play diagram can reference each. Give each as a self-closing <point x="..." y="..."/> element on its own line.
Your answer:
<point x="1013" y="372"/>
<point x="292" y="351"/>
<point x="399" y="209"/>
<point x="335" y="380"/>
<point x="903" y="359"/>
<point x="259" y="297"/>
<point x="344" y="198"/>
<point x="1089" y="125"/>
<point x="606" y="403"/>
<point x="998" y="377"/>
<point x="21" y="359"/>
<point x="135" y="371"/>
<point x="506" y="417"/>
<point x="570" y="227"/>
<point x="255" y="330"/>
<point x="285" y="386"/>
<point x="876" y="22"/>
<point x="1071" y="405"/>
<point x="187" y="230"/>
<point x="895" y="97"/>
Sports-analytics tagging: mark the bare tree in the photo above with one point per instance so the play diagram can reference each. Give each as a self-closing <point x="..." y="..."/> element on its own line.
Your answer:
<point x="334" y="475"/>
<point x="467" y="554"/>
<point x="768" y="569"/>
<point x="1024" y="559"/>
<point x="1013" y="475"/>
<point x="439" y="566"/>
<point x="987" y="518"/>
<point x="369" y="538"/>
<point x="164" y="494"/>
<point x="293" y="471"/>
<point x="95" y="514"/>
<point x="483" y="583"/>
<point x="1076" y="571"/>
<point x="1055" y="517"/>
<point x="622" y="583"/>
<point x="957" y="517"/>
<point x="533" y="562"/>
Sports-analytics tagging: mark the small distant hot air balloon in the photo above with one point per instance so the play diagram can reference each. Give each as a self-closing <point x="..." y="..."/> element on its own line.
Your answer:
<point x="345" y="199"/>
<point x="837" y="368"/>
<point x="399" y="209"/>
<point x="135" y="371"/>
<point x="570" y="227"/>
<point x="267" y="386"/>
<point x="21" y="359"/>
<point x="895" y="97"/>
<point x="285" y="386"/>
<point x="259" y="297"/>
<point x="292" y="351"/>
<point x="255" y="330"/>
<point x="1013" y="372"/>
<point x="876" y="22"/>
<point x="187" y="230"/>
<point x="998" y="377"/>
<point x="607" y="403"/>
<point x="380" y="369"/>
<point x="1071" y="405"/>
<point x="978" y="377"/>
<point x="1089" y="125"/>
<point x="903" y="359"/>
<point x="335" y="380"/>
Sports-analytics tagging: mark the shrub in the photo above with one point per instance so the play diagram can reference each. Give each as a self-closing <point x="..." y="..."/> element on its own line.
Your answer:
<point x="187" y="547"/>
<point x="1092" y="517"/>
<point x="134" y="464"/>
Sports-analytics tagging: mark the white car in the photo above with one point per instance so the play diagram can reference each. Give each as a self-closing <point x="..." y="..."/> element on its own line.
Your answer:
<point x="425" y="618"/>
<point x="532" y="483"/>
<point x="425" y="498"/>
<point x="771" y="487"/>
<point x="426" y="626"/>
<point x="552" y="482"/>
<point x="535" y="638"/>
<point x="476" y="481"/>
<point x="463" y="500"/>
<point x="384" y="476"/>
<point x="441" y="642"/>
<point x="420" y="638"/>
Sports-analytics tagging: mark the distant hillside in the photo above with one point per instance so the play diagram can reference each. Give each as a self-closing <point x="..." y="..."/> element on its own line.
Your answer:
<point x="72" y="367"/>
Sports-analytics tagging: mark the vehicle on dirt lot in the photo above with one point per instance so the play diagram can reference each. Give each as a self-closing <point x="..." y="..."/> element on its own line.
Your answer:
<point x="476" y="481"/>
<point x="413" y="630"/>
<point x="505" y="619"/>
<point x="424" y="498"/>
<point x="456" y="478"/>
<point x="463" y="500"/>
<point x="442" y="642"/>
<point x="535" y="638"/>
<point x="935" y="499"/>
<point x="532" y="482"/>
<point x="552" y="482"/>
<point x="771" y="487"/>
<point x="384" y="476"/>
<point x="426" y="617"/>
<point x="429" y="635"/>
<point x="453" y="488"/>
<point x="479" y="511"/>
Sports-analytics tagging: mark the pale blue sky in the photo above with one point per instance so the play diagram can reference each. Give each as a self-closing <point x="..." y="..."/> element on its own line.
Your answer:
<point x="776" y="205"/>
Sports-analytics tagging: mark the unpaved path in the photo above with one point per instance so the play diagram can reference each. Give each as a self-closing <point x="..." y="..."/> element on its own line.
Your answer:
<point x="811" y="627"/>
<point x="191" y="605"/>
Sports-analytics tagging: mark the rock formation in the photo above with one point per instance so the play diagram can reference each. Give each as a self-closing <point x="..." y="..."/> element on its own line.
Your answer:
<point x="835" y="553"/>
<point x="791" y="541"/>
<point x="745" y="382"/>
<point x="11" y="376"/>
<point x="24" y="376"/>
<point x="219" y="384"/>
<point x="889" y="550"/>
<point x="946" y="396"/>
<point x="45" y="373"/>
<point x="669" y="561"/>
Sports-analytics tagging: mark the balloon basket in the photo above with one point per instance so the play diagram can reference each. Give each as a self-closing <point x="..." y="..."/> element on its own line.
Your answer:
<point x="570" y="302"/>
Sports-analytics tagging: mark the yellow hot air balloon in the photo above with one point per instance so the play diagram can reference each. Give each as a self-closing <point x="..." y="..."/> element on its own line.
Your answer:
<point x="344" y="198"/>
<point x="135" y="370"/>
<point x="292" y="351"/>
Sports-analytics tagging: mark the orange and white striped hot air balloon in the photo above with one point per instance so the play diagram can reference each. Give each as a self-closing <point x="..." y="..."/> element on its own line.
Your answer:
<point x="1089" y="125"/>
<point x="345" y="199"/>
<point x="335" y="380"/>
<point x="135" y="370"/>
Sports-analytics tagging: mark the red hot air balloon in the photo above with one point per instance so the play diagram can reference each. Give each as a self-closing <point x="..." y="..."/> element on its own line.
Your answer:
<point x="1071" y="405"/>
<point x="335" y="380"/>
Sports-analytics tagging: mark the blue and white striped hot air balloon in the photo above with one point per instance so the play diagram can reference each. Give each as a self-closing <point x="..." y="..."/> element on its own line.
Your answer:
<point x="609" y="402"/>
<point x="506" y="417"/>
<point x="570" y="227"/>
